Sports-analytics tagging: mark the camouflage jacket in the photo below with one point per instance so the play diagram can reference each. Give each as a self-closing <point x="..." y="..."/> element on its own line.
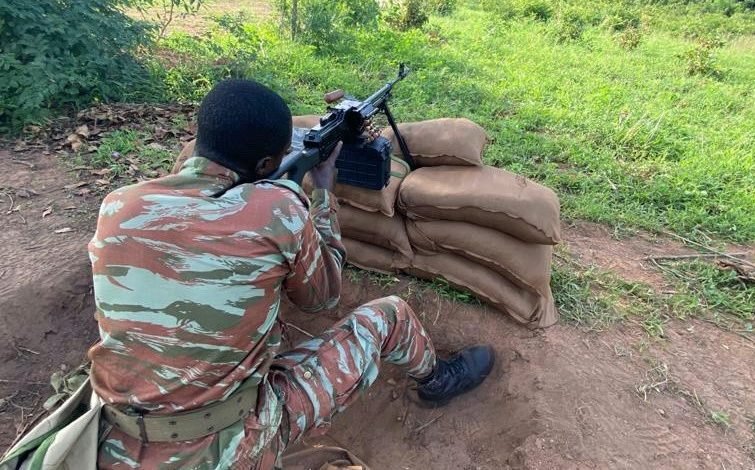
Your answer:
<point x="188" y="271"/>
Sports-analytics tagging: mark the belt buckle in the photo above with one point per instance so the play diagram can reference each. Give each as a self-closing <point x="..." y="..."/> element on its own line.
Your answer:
<point x="142" y="428"/>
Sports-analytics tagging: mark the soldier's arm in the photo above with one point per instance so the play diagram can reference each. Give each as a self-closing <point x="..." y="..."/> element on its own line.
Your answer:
<point x="315" y="280"/>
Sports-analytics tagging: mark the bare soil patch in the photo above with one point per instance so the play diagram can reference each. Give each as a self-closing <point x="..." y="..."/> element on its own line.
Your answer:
<point x="630" y="257"/>
<point x="559" y="398"/>
<point x="46" y="306"/>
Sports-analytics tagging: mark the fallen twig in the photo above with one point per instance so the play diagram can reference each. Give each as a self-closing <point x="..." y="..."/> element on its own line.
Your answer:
<point x="406" y="413"/>
<point x="706" y="247"/>
<point x="300" y="330"/>
<point x="29" y="164"/>
<point x="421" y="428"/>
<point x="437" y="314"/>
<point x="12" y="202"/>
<point x="695" y="256"/>
<point x="31" y="351"/>
<point x="26" y="427"/>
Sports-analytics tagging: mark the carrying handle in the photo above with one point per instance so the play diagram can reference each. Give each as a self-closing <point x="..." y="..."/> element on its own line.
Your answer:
<point x="334" y="96"/>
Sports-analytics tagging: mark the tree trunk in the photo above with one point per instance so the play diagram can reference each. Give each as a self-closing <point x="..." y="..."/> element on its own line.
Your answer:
<point x="294" y="19"/>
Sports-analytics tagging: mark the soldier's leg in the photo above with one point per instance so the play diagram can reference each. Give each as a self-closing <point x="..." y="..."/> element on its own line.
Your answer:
<point x="322" y="376"/>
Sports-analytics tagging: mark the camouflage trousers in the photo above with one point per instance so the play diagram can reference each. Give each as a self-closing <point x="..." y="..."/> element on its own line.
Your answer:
<point x="322" y="376"/>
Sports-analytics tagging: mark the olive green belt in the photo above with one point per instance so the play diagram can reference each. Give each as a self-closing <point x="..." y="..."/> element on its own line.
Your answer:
<point x="186" y="425"/>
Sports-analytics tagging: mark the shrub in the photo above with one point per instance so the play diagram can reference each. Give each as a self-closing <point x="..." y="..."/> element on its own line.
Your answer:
<point x="444" y="7"/>
<point x="622" y="19"/>
<point x="630" y="38"/>
<point x="569" y="25"/>
<point x="406" y="14"/>
<point x="504" y="9"/>
<point x="165" y="11"/>
<point x="538" y="9"/>
<point x="325" y="22"/>
<point x="701" y="59"/>
<point x="65" y="53"/>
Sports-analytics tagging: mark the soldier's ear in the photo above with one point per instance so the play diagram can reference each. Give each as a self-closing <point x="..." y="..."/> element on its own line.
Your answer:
<point x="267" y="165"/>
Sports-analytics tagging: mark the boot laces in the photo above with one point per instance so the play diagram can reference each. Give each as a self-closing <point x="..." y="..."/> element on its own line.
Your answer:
<point x="454" y="372"/>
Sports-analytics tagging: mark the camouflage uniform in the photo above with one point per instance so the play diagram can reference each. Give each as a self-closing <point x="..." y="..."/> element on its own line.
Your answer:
<point x="188" y="271"/>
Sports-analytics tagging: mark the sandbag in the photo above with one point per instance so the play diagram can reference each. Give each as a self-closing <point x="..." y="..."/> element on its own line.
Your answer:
<point x="374" y="258"/>
<point x="375" y="228"/>
<point x="439" y="142"/>
<point x="486" y="196"/>
<point x="306" y="122"/>
<point x="526" y="306"/>
<point x="370" y="200"/>
<point x="527" y="265"/>
<point x="321" y="456"/>
<point x="185" y="154"/>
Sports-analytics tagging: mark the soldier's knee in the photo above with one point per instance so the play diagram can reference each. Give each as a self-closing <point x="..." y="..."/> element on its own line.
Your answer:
<point x="393" y="306"/>
<point x="392" y="301"/>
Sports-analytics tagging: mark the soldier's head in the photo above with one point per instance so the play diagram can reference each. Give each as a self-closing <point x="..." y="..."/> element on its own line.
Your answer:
<point x="245" y="127"/>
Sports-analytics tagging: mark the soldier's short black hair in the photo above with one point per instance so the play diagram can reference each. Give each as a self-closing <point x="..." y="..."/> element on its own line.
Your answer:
<point x="241" y="122"/>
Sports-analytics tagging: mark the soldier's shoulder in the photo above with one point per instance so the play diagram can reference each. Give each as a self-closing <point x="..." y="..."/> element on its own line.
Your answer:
<point x="127" y="192"/>
<point x="283" y="192"/>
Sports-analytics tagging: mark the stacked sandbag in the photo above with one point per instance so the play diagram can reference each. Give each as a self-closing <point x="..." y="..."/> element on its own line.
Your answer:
<point x="373" y="232"/>
<point x="437" y="142"/>
<point x="485" y="196"/>
<point x="524" y="305"/>
<point x="485" y="230"/>
<point x="185" y="154"/>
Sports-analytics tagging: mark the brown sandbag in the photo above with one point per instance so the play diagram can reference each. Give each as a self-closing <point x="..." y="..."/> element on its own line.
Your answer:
<point x="526" y="264"/>
<point x="322" y="457"/>
<point x="307" y="122"/>
<point x="374" y="258"/>
<point x="370" y="200"/>
<point x="523" y="305"/>
<point x="375" y="228"/>
<point x="437" y="142"/>
<point x="186" y="152"/>
<point x="487" y="196"/>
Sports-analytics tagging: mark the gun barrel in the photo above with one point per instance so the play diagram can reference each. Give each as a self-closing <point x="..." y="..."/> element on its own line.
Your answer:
<point x="380" y="95"/>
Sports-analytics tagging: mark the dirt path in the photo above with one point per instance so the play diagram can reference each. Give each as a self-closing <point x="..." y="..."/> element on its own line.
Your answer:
<point x="46" y="307"/>
<point x="560" y="398"/>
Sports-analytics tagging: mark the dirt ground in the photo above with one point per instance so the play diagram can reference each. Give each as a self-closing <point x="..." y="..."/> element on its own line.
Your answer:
<point x="559" y="398"/>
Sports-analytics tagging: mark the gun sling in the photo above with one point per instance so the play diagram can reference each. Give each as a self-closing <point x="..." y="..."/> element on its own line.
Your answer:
<point x="186" y="425"/>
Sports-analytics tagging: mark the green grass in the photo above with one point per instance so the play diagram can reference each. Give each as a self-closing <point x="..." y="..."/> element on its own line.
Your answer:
<point x="595" y="299"/>
<point x="126" y="155"/>
<point x="449" y="292"/>
<point x="706" y="287"/>
<point x="625" y="134"/>
<point x="721" y="419"/>
<point x="407" y="289"/>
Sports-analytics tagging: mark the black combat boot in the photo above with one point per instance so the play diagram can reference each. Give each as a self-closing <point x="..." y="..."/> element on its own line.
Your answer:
<point x="456" y="375"/>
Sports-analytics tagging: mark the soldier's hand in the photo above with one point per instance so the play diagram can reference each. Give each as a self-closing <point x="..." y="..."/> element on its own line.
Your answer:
<point x="324" y="174"/>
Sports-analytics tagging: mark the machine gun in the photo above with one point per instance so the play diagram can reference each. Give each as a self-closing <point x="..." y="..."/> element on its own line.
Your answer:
<point x="363" y="162"/>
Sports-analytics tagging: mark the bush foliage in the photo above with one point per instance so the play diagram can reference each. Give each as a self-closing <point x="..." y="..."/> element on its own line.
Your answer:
<point x="63" y="53"/>
<point x="325" y="22"/>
